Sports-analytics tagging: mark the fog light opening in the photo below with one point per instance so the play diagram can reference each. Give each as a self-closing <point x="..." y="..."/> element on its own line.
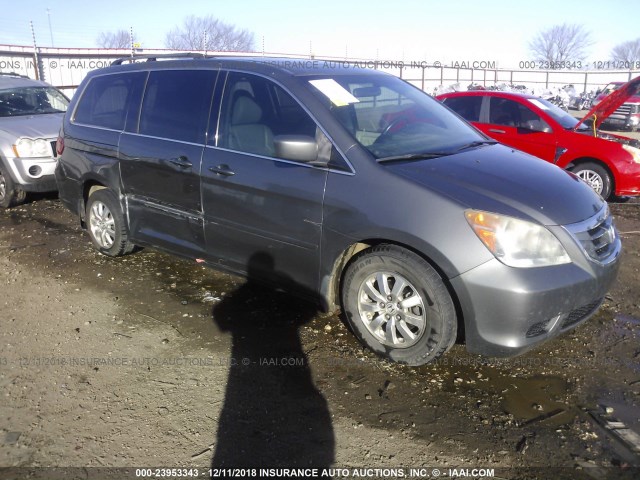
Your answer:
<point x="35" y="171"/>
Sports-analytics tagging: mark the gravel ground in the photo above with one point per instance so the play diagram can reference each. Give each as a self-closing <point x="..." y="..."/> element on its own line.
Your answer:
<point x="154" y="361"/>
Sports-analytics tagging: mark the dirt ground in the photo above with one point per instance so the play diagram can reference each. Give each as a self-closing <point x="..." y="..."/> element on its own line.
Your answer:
<point x="154" y="361"/>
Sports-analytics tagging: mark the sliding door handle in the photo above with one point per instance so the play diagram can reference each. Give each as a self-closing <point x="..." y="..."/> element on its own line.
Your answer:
<point x="222" y="170"/>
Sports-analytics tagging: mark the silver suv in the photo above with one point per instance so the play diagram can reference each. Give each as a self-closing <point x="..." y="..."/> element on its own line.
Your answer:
<point x="31" y="114"/>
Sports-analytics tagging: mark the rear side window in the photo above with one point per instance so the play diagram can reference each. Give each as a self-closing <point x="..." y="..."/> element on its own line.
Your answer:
<point x="107" y="99"/>
<point x="467" y="107"/>
<point x="176" y="104"/>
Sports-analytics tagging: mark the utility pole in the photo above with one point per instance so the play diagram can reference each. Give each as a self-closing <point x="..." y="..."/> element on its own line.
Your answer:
<point x="131" y="40"/>
<point x="50" y="29"/>
<point x="35" y="51"/>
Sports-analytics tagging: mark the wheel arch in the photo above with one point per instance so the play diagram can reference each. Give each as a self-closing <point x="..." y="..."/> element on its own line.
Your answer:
<point x="582" y="160"/>
<point x="88" y="187"/>
<point x="331" y="293"/>
<point x="4" y="163"/>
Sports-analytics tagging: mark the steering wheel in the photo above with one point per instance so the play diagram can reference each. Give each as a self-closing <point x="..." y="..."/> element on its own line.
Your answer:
<point x="388" y="129"/>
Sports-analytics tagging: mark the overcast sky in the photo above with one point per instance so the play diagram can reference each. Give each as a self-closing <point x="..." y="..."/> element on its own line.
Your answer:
<point x="408" y="30"/>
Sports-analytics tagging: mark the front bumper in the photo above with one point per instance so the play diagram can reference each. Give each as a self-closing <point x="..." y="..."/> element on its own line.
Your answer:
<point x="508" y="311"/>
<point x="519" y="309"/>
<point x="628" y="179"/>
<point x="620" y="123"/>
<point x="34" y="174"/>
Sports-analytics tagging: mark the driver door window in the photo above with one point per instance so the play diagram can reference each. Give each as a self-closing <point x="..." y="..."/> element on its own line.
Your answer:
<point x="255" y="111"/>
<point x="508" y="113"/>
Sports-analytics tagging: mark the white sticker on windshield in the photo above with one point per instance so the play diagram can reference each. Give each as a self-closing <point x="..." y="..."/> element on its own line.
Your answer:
<point x="335" y="92"/>
<point x="538" y="103"/>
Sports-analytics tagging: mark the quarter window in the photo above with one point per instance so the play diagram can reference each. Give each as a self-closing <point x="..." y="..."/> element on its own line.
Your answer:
<point x="106" y="99"/>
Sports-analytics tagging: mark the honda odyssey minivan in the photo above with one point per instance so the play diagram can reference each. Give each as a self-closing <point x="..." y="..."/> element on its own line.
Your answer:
<point x="350" y="186"/>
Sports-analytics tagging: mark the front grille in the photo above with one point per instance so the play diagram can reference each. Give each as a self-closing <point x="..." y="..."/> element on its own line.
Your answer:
<point x="581" y="313"/>
<point x="598" y="239"/>
<point x="537" y="329"/>
<point x="623" y="110"/>
<point x="54" y="150"/>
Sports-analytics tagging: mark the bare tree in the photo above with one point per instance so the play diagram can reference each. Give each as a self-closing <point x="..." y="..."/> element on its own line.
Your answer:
<point x="627" y="52"/>
<point x="209" y="33"/>
<point x="561" y="43"/>
<point x="119" y="39"/>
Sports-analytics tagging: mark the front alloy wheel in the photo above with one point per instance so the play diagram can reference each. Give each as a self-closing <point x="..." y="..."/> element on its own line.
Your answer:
<point x="10" y="194"/>
<point x="3" y="187"/>
<point x="596" y="176"/>
<point x="397" y="304"/>
<point x="392" y="309"/>
<point x="593" y="179"/>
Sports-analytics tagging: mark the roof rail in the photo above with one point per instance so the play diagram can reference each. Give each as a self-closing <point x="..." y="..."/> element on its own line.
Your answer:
<point x="153" y="58"/>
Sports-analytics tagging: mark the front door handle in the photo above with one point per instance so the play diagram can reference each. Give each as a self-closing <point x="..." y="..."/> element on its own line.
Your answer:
<point x="182" y="162"/>
<point x="222" y="170"/>
<point x="495" y="130"/>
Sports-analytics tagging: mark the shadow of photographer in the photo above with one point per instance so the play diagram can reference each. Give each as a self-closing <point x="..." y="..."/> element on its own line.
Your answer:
<point x="273" y="415"/>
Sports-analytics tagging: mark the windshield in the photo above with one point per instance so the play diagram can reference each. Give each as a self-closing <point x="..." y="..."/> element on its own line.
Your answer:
<point x="32" y="101"/>
<point x="559" y="115"/>
<point x="612" y="87"/>
<point x="391" y="118"/>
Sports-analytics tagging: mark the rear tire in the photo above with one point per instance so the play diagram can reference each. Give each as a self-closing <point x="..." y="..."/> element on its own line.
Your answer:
<point x="105" y="224"/>
<point x="397" y="305"/>
<point x="10" y="194"/>
<point x="596" y="176"/>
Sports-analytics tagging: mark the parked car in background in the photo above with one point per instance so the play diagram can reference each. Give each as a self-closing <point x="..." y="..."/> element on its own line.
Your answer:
<point x="31" y="114"/>
<point x="349" y="186"/>
<point x="625" y="116"/>
<point x="610" y="164"/>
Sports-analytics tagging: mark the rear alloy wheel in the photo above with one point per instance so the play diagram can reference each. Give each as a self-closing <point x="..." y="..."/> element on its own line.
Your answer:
<point x="398" y="306"/>
<point x="596" y="176"/>
<point x="10" y="196"/>
<point x="106" y="225"/>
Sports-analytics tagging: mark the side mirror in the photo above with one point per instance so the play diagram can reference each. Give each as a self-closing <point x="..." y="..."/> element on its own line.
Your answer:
<point x="300" y="148"/>
<point x="534" y="126"/>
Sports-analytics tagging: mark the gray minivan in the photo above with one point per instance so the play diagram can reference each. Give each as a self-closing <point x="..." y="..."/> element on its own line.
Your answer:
<point x="346" y="185"/>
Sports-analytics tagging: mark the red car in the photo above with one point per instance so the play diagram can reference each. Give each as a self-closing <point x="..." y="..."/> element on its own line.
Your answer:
<point x="610" y="164"/>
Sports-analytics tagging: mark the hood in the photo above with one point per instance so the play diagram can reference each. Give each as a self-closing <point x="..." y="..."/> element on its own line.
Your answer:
<point x="611" y="102"/>
<point x="505" y="181"/>
<point x="33" y="126"/>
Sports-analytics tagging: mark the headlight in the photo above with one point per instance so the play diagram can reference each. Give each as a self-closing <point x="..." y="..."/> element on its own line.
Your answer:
<point x="30" y="148"/>
<point x="517" y="243"/>
<point x="635" y="152"/>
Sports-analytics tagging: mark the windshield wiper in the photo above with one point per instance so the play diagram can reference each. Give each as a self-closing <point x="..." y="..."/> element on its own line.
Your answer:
<point x="413" y="156"/>
<point x="477" y="143"/>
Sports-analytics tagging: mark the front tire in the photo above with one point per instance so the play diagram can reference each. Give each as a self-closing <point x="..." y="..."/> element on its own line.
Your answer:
<point x="596" y="176"/>
<point x="397" y="305"/>
<point x="10" y="195"/>
<point x="105" y="224"/>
